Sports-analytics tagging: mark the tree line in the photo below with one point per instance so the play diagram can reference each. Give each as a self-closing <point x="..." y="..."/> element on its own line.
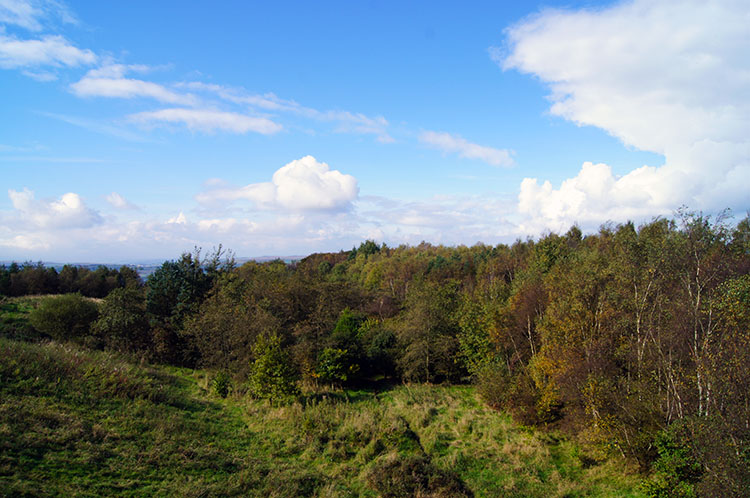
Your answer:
<point x="36" y="279"/>
<point x="635" y="339"/>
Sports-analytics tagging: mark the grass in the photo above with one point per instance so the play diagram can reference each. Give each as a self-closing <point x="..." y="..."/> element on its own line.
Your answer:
<point x="77" y="422"/>
<point x="14" y="313"/>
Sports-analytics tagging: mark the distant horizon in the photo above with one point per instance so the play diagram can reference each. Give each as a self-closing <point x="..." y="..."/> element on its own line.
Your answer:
<point x="142" y="262"/>
<point x="730" y="219"/>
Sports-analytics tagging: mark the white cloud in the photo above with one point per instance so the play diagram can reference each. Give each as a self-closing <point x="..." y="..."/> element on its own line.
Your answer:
<point x="456" y="144"/>
<point x="20" y="13"/>
<point x="25" y="242"/>
<point x="209" y="121"/>
<point x="345" y="121"/>
<point x="50" y="50"/>
<point x="443" y="219"/>
<point x="267" y="101"/>
<point x="671" y="77"/>
<point x="119" y="202"/>
<point x="301" y="185"/>
<point x="30" y="14"/>
<point x="109" y="81"/>
<point x="67" y="212"/>
<point x="349" y="122"/>
<point x="180" y="219"/>
<point x="43" y="76"/>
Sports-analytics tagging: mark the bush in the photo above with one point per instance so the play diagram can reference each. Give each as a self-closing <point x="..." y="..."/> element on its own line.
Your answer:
<point x="414" y="475"/>
<point x="66" y="317"/>
<point x="221" y="384"/>
<point x="675" y="471"/>
<point x="335" y="366"/>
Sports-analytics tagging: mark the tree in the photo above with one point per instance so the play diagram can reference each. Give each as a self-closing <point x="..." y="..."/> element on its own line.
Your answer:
<point x="272" y="375"/>
<point x="335" y="366"/>
<point x="176" y="288"/>
<point x="66" y="317"/>
<point x="122" y="323"/>
<point x="227" y="325"/>
<point x="428" y="331"/>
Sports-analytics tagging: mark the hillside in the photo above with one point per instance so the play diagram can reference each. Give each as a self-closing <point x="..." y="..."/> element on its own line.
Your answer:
<point x="77" y="422"/>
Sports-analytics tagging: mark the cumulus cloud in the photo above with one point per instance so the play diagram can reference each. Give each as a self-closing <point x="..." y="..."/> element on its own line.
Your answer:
<point x="455" y="144"/>
<point x="671" y="77"/>
<point x="50" y="50"/>
<point x="208" y="121"/>
<point x="67" y="212"/>
<point x="109" y="81"/>
<point x="301" y="185"/>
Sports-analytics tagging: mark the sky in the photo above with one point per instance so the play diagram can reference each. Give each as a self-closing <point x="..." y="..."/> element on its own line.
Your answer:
<point x="138" y="130"/>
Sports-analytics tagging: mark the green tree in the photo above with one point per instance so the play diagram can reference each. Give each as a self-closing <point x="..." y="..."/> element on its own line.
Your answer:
<point x="335" y="366"/>
<point x="176" y="288"/>
<point x="122" y="322"/>
<point x="66" y="317"/>
<point x="428" y="330"/>
<point x="272" y="375"/>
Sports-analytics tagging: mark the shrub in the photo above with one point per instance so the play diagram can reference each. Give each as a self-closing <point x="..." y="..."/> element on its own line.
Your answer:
<point x="675" y="471"/>
<point x="66" y="317"/>
<point x="335" y="366"/>
<point x="414" y="475"/>
<point x="221" y="384"/>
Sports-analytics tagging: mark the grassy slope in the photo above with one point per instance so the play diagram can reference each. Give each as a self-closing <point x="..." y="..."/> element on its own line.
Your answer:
<point x="76" y="422"/>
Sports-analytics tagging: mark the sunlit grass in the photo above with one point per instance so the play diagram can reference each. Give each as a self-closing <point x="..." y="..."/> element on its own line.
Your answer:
<point x="76" y="422"/>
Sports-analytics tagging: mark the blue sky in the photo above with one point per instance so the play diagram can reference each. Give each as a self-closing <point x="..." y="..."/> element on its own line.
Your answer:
<point x="138" y="130"/>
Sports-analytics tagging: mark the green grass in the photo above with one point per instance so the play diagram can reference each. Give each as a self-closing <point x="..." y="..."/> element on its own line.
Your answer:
<point x="76" y="422"/>
<point x="14" y="317"/>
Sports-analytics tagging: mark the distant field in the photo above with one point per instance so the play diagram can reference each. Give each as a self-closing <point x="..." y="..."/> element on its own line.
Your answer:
<point x="75" y="422"/>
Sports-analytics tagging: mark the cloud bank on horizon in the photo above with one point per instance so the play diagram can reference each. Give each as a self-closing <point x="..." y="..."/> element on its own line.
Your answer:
<point x="668" y="77"/>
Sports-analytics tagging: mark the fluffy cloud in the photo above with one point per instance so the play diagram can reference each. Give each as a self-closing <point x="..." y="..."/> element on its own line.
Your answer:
<point x="51" y="50"/>
<point x="301" y="185"/>
<point x="67" y="212"/>
<point x="671" y="77"/>
<point x="208" y="121"/>
<point x="109" y="81"/>
<point x="455" y="144"/>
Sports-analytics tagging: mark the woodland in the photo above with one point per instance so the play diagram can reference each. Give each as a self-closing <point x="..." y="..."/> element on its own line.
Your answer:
<point x="633" y="341"/>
